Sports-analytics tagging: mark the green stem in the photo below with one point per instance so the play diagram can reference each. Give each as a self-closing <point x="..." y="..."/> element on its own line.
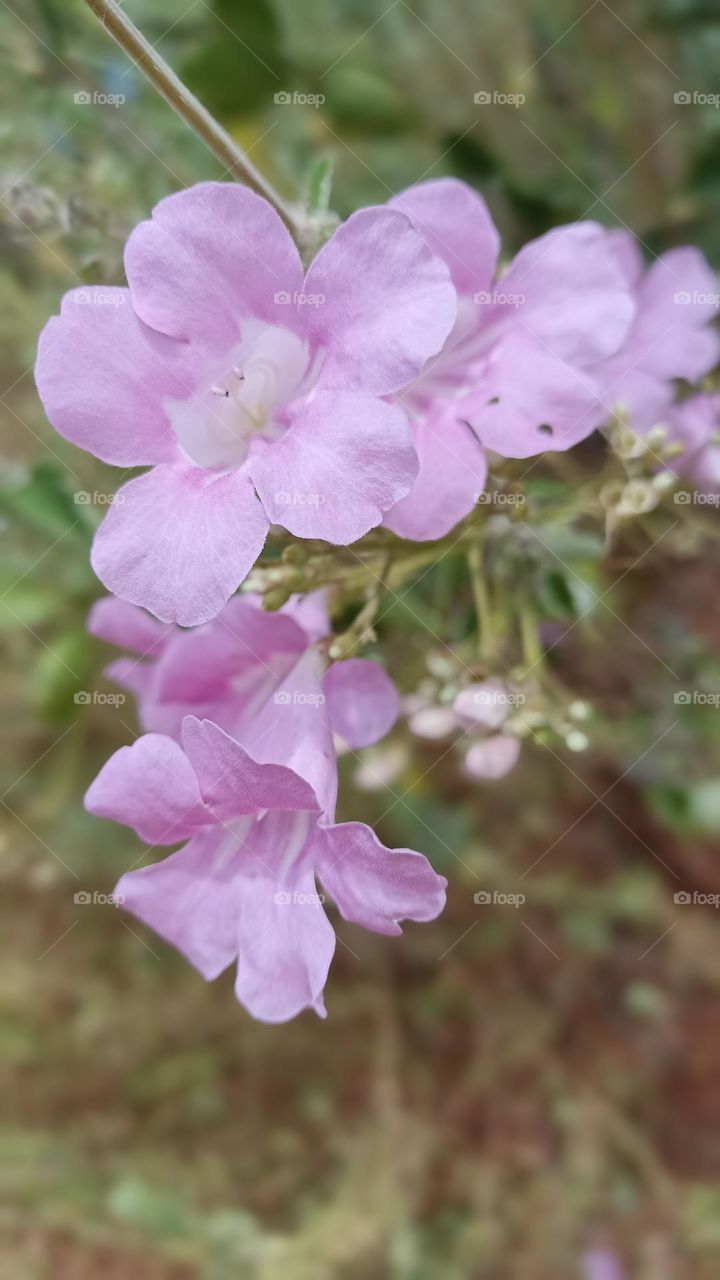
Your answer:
<point x="481" y="596"/>
<point x="349" y="571"/>
<point x="532" y="650"/>
<point x="187" y="106"/>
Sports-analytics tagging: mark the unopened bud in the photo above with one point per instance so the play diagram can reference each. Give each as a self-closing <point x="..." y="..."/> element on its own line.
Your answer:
<point x="276" y="598"/>
<point x="625" y="442"/>
<point x="342" y="646"/>
<point x="295" y="554"/>
<point x="663" y="481"/>
<point x="611" y="494"/>
<point x="579" y="710"/>
<point x="656" y="436"/>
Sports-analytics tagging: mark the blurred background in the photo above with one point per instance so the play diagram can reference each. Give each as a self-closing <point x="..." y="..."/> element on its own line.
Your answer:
<point x="505" y="1094"/>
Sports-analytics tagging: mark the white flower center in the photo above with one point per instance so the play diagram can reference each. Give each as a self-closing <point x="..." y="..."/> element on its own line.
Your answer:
<point x="246" y="396"/>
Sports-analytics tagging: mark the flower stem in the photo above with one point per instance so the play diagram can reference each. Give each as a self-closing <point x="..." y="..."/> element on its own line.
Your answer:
<point x="532" y="649"/>
<point x="172" y="89"/>
<point x="483" y="609"/>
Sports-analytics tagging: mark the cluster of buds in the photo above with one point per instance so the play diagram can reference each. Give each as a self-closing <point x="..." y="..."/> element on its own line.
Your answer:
<point x="647" y="475"/>
<point x="487" y="719"/>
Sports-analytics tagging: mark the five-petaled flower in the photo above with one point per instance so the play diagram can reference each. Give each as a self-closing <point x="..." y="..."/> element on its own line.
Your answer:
<point x="210" y="370"/>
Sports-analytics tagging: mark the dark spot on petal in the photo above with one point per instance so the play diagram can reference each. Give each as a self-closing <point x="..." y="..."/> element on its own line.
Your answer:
<point x="546" y="429"/>
<point x="494" y="400"/>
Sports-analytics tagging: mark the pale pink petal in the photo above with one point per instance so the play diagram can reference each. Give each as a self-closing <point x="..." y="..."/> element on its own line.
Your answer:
<point x="551" y="407"/>
<point x="179" y="541"/>
<point x="138" y="678"/>
<point x="344" y="461"/>
<point x="626" y="250"/>
<point x="647" y="399"/>
<point x="363" y="704"/>
<point x="127" y="626"/>
<point x="671" y="338"/>
<point x="292" y="727"/>
<point x="488" y="702"/>
<point x="492" y="757"/>
<point x="456" y="224"/>
<point x="433" y="723"/>
<point x="453" y="471"/>
<point x="231" y="657"/>
<point x="103" y="383"/>
<point x="232" y="783"/>
<point x="693" y="424"/>
<point x="208" y="258"/>
<point x="374" y="886"/>
<point x="192" y="899"/>
<point x="388" y="303"/>
<point x="152" y="788"/>
<point x="286" y="944"/>
<point x="576" y="297"/>
<point x="311" y="613"/>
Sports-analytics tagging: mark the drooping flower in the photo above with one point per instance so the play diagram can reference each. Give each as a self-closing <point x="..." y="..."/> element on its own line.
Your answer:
<point x="262" y="677"/>
<point x="676" y="298"/>
<point x="256" y="394"/>
<point x="243" y="889"/>
<point x="516" y="373"/>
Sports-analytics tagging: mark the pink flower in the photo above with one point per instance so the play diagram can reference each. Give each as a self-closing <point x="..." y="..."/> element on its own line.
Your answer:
<point x="676" y="298"/>
<point x="515" y="374"/>
<point x="262" y="677"/>
<point x="243" y="887"/>
<point x="254" y="392"/>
